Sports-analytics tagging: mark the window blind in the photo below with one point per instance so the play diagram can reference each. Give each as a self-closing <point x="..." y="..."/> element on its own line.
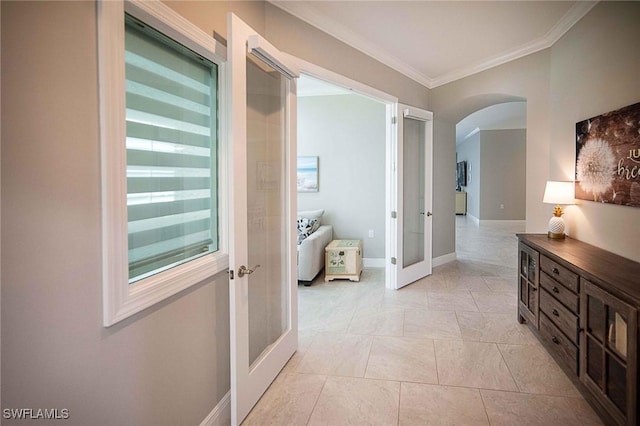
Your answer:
<point x="171" y="114"/>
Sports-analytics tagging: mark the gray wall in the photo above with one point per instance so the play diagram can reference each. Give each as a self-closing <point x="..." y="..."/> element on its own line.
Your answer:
<point x="347" y="133"/>
<point x="592" y="69"/>
<point x="166" y="365"/>
<point x="469" y="151"/>
<point x="502" y="174"/>
<point x="149" y="369"/>
<point x="55" y="352"/>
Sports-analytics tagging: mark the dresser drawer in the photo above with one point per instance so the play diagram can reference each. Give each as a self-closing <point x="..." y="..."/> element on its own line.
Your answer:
<point x="562" y="317"/>
<point x="558" y="343"/>
<point x="559" y="273"/>
<point x="560" y="292"/>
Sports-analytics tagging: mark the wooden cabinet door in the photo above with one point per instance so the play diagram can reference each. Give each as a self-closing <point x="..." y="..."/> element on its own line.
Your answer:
<point x="528" y="282"/>
<point x="608" y="361"/>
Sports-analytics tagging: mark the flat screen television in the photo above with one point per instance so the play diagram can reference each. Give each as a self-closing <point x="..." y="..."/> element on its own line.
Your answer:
<point x="461" y="173"/>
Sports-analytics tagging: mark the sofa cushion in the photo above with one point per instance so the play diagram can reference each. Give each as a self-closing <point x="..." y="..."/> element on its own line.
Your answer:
<point x="306" y="227"/>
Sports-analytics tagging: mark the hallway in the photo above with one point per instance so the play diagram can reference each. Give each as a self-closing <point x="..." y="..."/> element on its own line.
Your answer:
<point x="444" y="350"/>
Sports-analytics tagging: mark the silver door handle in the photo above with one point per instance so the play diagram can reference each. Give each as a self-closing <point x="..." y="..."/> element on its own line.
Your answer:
<point x="429" y="214"/>
<point x="246" y="271"/>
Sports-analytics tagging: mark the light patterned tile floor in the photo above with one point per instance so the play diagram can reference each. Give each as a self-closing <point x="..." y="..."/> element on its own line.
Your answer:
<point x="444" y="350"/>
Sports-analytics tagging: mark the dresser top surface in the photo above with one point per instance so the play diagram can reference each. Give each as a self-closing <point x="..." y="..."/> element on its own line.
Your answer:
<point x="596" y="264"/>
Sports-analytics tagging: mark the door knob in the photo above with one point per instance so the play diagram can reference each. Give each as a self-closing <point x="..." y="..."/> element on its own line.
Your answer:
<point x="429" y="214"/>
<point x="246" y="271"/>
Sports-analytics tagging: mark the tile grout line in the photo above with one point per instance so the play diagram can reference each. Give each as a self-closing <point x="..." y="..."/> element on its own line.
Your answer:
<point x="508" y="368"/>
<point x="484" y="405"/>
<point x="399" y="402"/>
<point x="315" y="404"/>
<point x="435" y="358"/>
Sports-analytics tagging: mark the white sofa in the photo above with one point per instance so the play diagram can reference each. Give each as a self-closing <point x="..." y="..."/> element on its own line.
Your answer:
<point x="311" y="253"/>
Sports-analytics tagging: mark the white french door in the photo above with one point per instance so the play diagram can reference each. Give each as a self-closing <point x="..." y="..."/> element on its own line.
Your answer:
<point x="412" y="184"/>
<point x="263" y="285"/>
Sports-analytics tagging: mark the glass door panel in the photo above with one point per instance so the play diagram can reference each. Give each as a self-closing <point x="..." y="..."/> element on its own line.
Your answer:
<point x="413" y="194"/>
<point x="617" y="332"/>
<point x="595" y="363"/>
<point x="617" y="382"/>
<point x="595" y="318"/>
<point x="262" y="274"/>
<point x="266" y="207"/>
<point x="411" y="175"/>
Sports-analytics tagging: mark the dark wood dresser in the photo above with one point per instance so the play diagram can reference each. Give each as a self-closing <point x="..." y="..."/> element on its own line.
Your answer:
<point x="582" y="302"/>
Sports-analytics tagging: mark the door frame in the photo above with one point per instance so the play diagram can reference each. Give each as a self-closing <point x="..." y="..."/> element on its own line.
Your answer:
<point x="391" y="134"/>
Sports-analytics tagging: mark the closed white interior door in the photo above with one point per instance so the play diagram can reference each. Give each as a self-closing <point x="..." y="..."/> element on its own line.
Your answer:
<point x="413" y="178"/>
<point x="262" y="280"/>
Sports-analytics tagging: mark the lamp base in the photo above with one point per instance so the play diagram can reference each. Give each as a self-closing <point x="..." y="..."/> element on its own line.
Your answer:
<point x="556" y="227"/>
<point x="555" y="235"/>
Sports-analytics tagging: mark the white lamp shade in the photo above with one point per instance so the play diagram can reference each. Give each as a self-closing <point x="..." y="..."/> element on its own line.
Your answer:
<point x="559" y="193"/>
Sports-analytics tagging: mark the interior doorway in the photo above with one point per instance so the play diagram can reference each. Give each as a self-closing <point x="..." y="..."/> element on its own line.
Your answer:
<point x="491" y="171"/>
<point x="394" y="117"/>
<point x="341" y="148"/>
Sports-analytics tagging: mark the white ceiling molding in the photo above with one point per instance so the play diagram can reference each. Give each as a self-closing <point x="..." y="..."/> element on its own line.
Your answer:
<point x="573" y="15"/>
<point x="312" y="16"/>
<point x="319" y="20"/>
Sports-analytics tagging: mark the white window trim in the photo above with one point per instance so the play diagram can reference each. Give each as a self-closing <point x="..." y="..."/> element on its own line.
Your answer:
<point x="121" y="300"/>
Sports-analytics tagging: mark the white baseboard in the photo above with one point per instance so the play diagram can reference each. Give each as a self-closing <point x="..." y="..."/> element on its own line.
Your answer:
<point x="221" y="413"/>
<point x="473" y="219"/>
<point x="373" y="262"/>
<point x="441" y="260"/>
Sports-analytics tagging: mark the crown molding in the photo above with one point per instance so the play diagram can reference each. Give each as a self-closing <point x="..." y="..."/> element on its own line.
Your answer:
<point x="313" y="17"/>
<point x="573" y="15"/>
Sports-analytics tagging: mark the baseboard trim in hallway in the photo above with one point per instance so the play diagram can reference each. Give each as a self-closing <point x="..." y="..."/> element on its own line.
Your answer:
<point x="441" y="260"/>
<point x="221" y="413"/>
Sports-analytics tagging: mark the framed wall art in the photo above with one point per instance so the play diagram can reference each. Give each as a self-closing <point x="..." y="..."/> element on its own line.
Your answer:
<point x="307" y="174"/>
<point x="608" y="157"/>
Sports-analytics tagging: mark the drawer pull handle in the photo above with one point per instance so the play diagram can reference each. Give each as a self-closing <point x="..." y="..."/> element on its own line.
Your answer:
<point x="556" y="290"/>
<point x="555" y="312"/>
<point x="555" y="340"/>
<point x="555" y="271"/>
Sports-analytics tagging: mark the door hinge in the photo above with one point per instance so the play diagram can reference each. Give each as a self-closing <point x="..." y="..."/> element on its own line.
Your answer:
<point x="393" y="260"/>
<point x="231" y="274"/>
<point x="394" y="214"/>
<point x="394" y="120"/>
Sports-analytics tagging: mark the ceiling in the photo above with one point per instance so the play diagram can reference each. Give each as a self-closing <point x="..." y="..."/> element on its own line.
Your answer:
<point x="436" y="42"/>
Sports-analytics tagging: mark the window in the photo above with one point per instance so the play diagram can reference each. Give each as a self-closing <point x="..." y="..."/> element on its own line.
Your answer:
<point x="162" y="168"/>
<point x="171" y="152"/>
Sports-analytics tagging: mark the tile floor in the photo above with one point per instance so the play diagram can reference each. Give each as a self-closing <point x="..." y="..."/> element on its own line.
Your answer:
<point x="446" y="350"/>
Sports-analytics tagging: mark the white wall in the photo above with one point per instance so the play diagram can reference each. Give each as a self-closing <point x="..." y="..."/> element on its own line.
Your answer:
<point x="347" y="133"/>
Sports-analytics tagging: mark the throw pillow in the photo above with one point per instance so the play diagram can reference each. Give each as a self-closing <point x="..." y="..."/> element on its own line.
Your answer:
<point x="306" y="227"/>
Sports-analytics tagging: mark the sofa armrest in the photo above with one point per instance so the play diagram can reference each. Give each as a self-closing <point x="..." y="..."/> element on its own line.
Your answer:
<point x="311" y="253"/>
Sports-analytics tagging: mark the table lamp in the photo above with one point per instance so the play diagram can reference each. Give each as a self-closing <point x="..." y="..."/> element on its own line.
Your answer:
<point x="558" y="193"/>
